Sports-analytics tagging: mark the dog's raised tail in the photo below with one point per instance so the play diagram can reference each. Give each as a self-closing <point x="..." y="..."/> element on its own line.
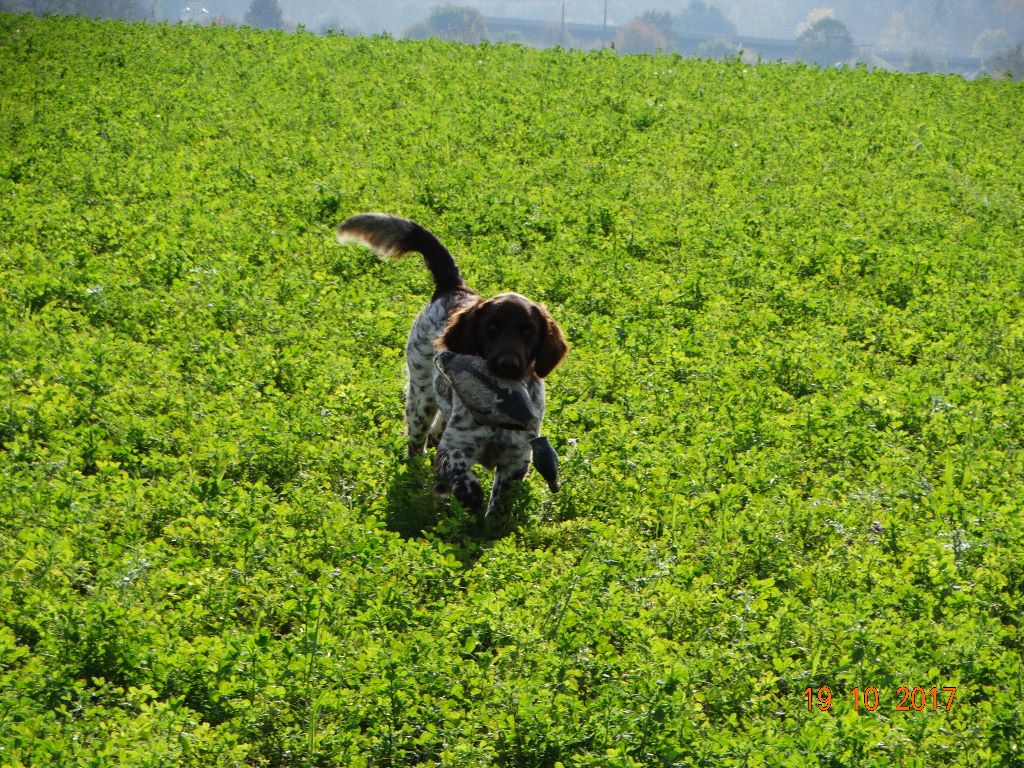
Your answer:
<point x="392" y="236"/>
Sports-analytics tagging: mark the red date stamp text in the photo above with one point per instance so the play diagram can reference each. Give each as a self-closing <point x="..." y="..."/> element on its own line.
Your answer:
<point x="907" y="699"/>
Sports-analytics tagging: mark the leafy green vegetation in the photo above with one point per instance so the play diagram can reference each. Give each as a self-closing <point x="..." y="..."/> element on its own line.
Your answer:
<point x="790" y="424"/>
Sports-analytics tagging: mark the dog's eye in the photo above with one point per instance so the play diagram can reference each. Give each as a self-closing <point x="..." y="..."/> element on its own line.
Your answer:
<point x="527" y="331"/>
<point x="493" y="327"/>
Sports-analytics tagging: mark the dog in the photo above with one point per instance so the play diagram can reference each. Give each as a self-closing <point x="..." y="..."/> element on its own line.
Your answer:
<point x="516" y="337"/>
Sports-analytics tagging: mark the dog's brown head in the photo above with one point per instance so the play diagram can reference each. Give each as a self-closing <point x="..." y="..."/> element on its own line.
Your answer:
<point x="514" y="335"/>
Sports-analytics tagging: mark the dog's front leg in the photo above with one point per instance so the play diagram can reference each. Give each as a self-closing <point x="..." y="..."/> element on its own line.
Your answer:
<point x="453" y="470"/>
<point x="459" y="448"/>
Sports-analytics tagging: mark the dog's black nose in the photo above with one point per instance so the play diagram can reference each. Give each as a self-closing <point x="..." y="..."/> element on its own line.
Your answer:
<point x="507" y="366"/>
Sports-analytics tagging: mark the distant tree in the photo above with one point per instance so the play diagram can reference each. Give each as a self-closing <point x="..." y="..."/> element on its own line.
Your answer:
<point x="640" y="37"/>
<point x="264" y="14"/>
<point x="999" y="56"/>
<point x="953" y="27"/>
<point x="991" y="42"/>
<point x="1010" y="63"/>
<point x="451" y="22"/>
<point x="661" y="21"/>
<point x="812" y="18"/>
<point x="826" y="42"/>
<point x="701" y="17"/>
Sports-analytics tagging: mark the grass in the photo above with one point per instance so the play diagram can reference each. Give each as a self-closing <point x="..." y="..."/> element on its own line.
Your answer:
<point x="789" y="425"/>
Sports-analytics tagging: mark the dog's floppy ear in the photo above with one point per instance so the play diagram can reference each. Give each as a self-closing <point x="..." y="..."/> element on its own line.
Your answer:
<point x="460" y="335"/>
<point x="553" y="347"/>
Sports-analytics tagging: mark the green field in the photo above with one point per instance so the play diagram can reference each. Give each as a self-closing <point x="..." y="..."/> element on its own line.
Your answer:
<point x="790" y="424"/>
